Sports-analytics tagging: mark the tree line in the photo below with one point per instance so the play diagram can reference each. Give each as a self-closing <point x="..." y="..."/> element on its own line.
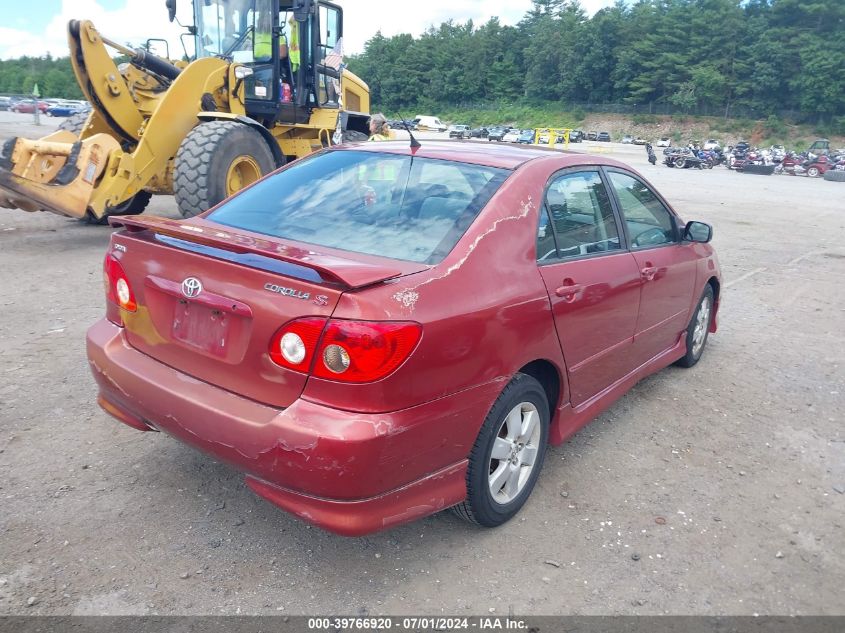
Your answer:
<point x="54" y="77"/>
<point x="766" y="56"/>
<point x="763" y="55"/>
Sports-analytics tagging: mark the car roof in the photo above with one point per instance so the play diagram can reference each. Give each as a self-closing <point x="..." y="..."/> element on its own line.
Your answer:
<point x="492" y="155"/>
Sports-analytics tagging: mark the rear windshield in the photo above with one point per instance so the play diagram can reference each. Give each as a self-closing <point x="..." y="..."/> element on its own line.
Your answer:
<point x="413" y="209"/>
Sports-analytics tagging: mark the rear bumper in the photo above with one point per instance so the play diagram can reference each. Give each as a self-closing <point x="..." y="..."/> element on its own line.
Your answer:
<point x="350" y="473"/>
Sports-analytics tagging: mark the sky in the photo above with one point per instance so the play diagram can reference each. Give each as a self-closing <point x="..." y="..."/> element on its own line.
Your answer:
<point x="39" y="27"/>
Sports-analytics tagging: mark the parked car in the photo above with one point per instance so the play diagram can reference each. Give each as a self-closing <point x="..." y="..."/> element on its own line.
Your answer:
<point x="526" y="137"/>
<point x="432" y="123"/>
<point x="321" y="337"/>
<point x="711" y="143"/>
<point x="497" y="133"/>
<point x="543" y="136"/>
<point x="640" y="141"/>
<point x="478" y="132"/>
<point x="628" y="139"/>
<point x="459" y="131"/>
<point x="604" y="137"/>
<point x="27" y="106"/>
<point x="591" y="136"/>
<point x="664" y="142"/>
<point x="576" y="136"/>
<point x="512" y="136"/>
<point x="5" y="103"/>
<point x="66" y="109"/>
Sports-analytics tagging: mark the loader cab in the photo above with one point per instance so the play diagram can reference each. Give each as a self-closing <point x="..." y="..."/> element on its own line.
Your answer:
<point x="291" y="48"/>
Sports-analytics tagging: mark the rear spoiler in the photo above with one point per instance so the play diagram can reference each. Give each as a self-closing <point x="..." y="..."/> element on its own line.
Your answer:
<point x="364" y="270"/>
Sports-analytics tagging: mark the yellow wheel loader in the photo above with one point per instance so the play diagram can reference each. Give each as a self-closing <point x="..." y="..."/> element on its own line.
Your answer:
<point x="265" y="86"/>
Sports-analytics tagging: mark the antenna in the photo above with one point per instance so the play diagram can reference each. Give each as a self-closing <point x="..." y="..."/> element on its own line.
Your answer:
<point x="414" y="142"/>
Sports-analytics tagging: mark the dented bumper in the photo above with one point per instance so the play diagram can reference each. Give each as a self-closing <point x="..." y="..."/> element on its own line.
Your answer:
<point x="350" y="473"/>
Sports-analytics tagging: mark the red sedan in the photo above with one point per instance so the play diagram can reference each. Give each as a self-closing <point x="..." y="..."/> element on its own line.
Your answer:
<point x="374" y="333"/>
<point x="28" y="107"/>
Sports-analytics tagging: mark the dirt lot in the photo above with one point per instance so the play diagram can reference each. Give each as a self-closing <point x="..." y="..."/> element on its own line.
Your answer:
<point x="716" y="490"/>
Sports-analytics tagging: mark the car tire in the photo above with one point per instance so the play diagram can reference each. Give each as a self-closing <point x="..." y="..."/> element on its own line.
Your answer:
<point x="517" y="429"/>
<point x="215" y="157"/>
<point x="813" y="172"/>
<point x="698" y="329"/>
<point x="836" y="175"/>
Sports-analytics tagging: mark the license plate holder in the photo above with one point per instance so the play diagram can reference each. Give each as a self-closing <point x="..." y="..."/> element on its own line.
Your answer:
<point x="201" y="327"/>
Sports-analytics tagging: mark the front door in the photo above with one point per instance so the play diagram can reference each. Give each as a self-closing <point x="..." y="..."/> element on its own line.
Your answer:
<point x="593" y="283"/>
<point x="666" y="265"/>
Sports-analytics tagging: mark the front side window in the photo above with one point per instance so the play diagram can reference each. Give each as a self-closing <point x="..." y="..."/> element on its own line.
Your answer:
<point x="581" y="217"/>
<point x="649" y="223"/>
<point x="414" y="209"/>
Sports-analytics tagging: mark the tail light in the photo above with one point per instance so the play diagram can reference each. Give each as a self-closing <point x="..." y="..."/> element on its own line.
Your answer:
<point x="345" y="351"/>
<point x="294" y="345"/>
<point x="118" y="290"/>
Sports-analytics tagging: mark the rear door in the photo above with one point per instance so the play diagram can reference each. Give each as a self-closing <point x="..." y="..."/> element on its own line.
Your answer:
<point x="592" y="281"/>
<point x="666" y="265"/>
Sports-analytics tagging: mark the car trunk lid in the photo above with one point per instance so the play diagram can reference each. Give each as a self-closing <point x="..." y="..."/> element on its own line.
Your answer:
<point x="210" y="299"/>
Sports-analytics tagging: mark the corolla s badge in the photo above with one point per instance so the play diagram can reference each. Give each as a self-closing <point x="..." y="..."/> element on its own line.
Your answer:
<point x="191" y="287"/>
<point x="287" y="292"/>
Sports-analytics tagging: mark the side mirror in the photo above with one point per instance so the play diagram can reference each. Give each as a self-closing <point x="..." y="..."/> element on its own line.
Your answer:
<point x="171" y="9"/>
<point x="698" y="232"/>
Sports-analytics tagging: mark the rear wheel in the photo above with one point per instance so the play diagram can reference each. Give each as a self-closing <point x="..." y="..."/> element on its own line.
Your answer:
<point x="680" y="162"/>
<point x="508" y="453"/>
<point x="813" y="172"/>
<point x="134" y="206"/>
<point x="216" y="160"/>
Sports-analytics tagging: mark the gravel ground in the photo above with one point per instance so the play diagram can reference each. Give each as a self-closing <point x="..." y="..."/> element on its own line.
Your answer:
<point x="715" y="490"/>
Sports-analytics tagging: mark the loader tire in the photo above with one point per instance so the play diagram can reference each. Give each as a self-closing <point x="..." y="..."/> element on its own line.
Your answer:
<point x="836" y="175"/>
<point x="134" y="206"/>
<point x="75" y="123"/>
<point x="215" y="160"/>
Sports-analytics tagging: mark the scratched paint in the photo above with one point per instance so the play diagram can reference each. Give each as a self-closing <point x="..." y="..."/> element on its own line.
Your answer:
<point x="409" y="297"/>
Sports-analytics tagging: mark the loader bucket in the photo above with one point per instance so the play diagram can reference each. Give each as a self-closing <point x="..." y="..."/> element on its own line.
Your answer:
<point x="57" y="173"/>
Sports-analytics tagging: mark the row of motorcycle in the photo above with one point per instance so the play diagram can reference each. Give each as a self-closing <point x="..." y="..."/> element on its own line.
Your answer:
<point x="690" y="157"/>
<point x="744" y="158"/>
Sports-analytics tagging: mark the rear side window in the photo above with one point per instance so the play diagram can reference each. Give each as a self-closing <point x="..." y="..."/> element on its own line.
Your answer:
<point x="403" y="207"/>
<point x="580" y="217"/>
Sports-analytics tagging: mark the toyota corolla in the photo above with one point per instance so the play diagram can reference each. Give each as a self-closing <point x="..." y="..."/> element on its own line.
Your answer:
<point x="380" y="332"/>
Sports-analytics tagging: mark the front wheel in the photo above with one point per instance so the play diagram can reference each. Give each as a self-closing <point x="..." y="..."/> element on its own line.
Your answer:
<point x="216" y="160"/>
<point x="698" y="329"/>
<point x="508" y="453"/>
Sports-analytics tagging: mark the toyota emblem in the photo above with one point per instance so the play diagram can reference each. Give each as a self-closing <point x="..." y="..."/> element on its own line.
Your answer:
<point x="191" y="287"/>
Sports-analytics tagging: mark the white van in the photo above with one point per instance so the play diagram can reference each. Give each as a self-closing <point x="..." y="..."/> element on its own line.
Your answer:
<point x="428" y="123"/>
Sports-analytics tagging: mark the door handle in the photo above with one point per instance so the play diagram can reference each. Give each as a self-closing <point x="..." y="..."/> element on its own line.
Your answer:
<point x="569" y="290"/>
<point x="648" y="273"/>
